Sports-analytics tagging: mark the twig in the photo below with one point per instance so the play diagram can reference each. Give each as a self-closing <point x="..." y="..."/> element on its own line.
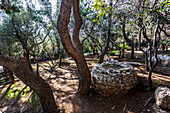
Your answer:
<point x="147" y="102"/>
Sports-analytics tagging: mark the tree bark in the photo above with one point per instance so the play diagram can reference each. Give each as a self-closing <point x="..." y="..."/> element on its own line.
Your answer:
<point x="150" y="64"/>
<point x="73" y="50"/>
<point x="31" y="79"/>
<point x="60" y="58"/>
<point x="102" y="54"/>
<point x="77" y="26"/>
<point x="146" y="62"/>
<point x="129" y="41"/>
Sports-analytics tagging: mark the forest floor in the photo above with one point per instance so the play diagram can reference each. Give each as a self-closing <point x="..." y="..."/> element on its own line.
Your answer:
<point x="19" y="98"/>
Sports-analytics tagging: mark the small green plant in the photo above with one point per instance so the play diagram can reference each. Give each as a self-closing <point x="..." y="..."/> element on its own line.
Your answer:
<point x="157" y="82"/>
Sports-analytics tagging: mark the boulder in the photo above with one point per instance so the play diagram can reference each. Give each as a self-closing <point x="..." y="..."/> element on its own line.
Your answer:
<point x="162" y="96"/>
<point x="163" y="59"/>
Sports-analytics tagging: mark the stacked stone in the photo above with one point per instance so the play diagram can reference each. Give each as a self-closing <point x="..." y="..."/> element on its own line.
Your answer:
<point x="112" y="82"/>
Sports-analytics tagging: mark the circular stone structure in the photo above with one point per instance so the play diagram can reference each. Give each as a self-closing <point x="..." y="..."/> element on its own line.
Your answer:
<point x="113" y="78"/>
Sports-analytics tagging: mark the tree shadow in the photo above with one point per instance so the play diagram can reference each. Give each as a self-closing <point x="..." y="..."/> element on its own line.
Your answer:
<point x="6" y="92"/>
<point x="19" y="95"/>
<point x="95" y="103"/>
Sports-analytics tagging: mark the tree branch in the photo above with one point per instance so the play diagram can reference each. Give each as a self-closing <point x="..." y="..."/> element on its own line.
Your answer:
<point x="39" y="32"/>
<point x="39" y="42"/>
<point x="164" y="31"/>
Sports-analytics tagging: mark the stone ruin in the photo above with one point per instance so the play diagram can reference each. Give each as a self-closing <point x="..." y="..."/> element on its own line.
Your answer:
<point x="112" y="78"/>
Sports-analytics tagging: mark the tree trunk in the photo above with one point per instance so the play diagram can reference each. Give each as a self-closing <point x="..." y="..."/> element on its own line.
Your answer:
<point x="37" y="63"/>
<point x="31" y="79"/>
<point x="132" y="50"/>
<point x="123" y="50"/>
<point x="10" y="73"/>
<point x="129" y="41"/>
<point x="73" y="50"/>
<point x="163" y="47"/>
<point x="11" y="76"/>
<point x="60" y="58"/>
<point x="77" y="26"/>
<point x="102" y="54"/>
<point x="150" y="64"/>
<point x="146" y="62"/>
<point x="85" y="77"/>
<point x="167" y="46"/>
<point x="27" y="57"/>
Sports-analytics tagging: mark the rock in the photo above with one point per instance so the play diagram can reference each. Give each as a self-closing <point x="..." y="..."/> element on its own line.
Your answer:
<point x="163" y="59"/>
<point x="162" y="96"/>
<point x="110" y="81"/>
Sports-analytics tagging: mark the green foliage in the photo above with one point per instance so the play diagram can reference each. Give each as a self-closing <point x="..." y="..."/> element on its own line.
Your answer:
<point x="102" y="9"/>
<point x="86" y="50"/>
<point x="164" y="42"/>
<point x="12" y="7"/>
<point x="125" y="46"/>
<point x="26" y="26"/>
<point x="156" y="83"/>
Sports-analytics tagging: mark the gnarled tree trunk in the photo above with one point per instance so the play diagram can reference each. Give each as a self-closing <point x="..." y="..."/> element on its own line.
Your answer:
<point x="75" y="50"/>
<point x="35" y="82"/>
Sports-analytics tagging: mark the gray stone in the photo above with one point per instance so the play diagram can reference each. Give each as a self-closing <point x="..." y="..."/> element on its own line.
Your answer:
<point x="164" y="59"/>
<point x="162" y="96"/>
<point x="111" y="82"/>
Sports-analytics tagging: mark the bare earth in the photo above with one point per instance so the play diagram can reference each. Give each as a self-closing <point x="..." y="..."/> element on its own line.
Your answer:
<point x="64" y="83"/>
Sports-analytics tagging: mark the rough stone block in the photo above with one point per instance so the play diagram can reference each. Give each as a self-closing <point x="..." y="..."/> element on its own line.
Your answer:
<point x="162" y="96"/>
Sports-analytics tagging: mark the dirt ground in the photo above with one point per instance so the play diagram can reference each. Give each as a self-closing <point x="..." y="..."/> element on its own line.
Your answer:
<point x="64" y="83"/>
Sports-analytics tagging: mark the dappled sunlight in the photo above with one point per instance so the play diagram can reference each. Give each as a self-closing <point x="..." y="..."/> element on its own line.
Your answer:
<point x="84" y="56"/>
<point x="64" y="83"/>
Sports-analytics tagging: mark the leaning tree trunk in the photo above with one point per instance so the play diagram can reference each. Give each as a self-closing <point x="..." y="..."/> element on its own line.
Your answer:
<point x="75" y="50"/>
<point x="35" y="82"/>
<point x="102" y="54"/>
